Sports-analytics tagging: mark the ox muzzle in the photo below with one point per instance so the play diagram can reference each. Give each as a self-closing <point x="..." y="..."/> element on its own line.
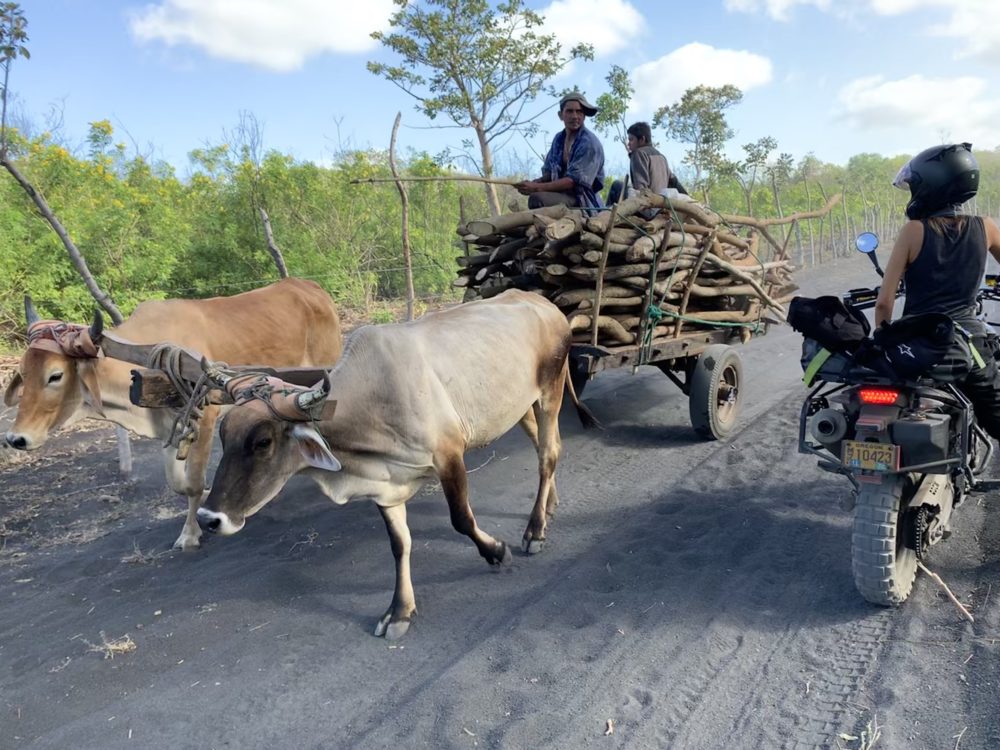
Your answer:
<point x="20" y="441"/>
<point x="218" y="523"/>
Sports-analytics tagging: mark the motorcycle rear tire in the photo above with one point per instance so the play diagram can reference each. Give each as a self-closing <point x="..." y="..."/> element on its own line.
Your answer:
<point x="884" y="567"/>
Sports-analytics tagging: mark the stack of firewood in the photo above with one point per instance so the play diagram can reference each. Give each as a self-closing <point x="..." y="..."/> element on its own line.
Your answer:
<point x="648" y="269"/>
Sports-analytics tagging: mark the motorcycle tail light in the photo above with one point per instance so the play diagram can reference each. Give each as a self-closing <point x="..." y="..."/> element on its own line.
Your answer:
<point x="879" y="396"/>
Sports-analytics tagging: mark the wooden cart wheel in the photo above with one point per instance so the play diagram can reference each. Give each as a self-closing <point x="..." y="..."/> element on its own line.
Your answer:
<point x="714" y="392"/>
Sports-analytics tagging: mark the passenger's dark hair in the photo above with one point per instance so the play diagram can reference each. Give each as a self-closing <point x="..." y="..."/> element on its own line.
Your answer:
<point x="642" y="132"/>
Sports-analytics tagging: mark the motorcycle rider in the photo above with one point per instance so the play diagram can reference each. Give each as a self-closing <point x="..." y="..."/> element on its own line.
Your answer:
<point x="941" y="254"/>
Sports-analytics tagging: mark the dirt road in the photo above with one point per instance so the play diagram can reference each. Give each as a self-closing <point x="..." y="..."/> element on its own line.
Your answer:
<point x="691" y="595"/>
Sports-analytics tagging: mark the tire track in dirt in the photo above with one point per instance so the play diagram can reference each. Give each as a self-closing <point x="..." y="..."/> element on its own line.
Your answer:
<point x="841" y="657"/>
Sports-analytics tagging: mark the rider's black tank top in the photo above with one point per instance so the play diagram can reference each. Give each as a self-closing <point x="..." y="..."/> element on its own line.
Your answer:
<point x="947" y="273"/>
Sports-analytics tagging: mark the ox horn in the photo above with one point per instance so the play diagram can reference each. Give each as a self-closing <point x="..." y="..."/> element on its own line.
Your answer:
<point x="97" y="327"/>
<point x="317" y="394"/>
<point x="216" y="372"/>
<point x="30" y="313"/>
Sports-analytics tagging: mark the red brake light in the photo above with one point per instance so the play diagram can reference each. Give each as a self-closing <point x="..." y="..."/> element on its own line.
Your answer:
<point x="879" y="396"/>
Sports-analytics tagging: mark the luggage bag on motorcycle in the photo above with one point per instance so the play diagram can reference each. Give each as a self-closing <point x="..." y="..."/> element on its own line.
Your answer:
<point x="828" y="321"/>
<point x="836" y="341"/>
<point x="832" y="333"/>
<point x="930" y="345"/>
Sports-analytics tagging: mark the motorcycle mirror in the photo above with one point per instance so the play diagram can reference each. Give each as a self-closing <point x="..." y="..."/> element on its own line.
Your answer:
<point x="866" y="242"/>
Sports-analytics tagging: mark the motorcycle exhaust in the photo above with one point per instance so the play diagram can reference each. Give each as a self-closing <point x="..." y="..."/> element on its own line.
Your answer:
<point x="828" y="426"/>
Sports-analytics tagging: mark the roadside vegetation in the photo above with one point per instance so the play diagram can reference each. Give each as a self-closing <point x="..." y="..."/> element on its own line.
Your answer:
<point x="148" y="231"/>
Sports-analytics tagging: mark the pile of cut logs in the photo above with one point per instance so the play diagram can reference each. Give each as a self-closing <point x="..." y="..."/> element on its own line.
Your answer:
<point x="650" y="268"/>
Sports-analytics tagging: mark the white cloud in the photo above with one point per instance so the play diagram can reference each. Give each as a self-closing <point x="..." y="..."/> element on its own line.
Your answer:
<point x="895" y="7"/>
<point x="663" y="81"/>
<point x="609" y="25"/>
<point x="777" y="9"/>
<point x="975" y="23"/>
<point x="275" y="34"/>
<point x="923" y="110"/>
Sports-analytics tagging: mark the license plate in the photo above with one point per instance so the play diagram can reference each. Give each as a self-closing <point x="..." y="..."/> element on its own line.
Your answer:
<point x="871" y="456"/>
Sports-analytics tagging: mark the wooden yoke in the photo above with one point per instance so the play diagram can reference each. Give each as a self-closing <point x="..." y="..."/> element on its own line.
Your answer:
<point x="152" y="388"/>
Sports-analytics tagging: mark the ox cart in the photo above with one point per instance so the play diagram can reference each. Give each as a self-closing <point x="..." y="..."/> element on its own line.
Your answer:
<point x="654" y="281"/>
<point x="705" y="365"/>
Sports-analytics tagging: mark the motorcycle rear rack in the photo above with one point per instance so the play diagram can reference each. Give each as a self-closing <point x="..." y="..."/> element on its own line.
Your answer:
<point x="833" y="463"/>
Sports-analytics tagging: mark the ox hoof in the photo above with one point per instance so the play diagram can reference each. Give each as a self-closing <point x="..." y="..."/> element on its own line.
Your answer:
<point x="187" y="543"/>
<point x="391" y="630"/>
<point x="532" y="546"/>
<point x="501" y="555"/>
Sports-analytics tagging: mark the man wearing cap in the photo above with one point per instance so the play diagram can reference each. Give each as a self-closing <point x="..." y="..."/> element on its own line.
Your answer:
<point x="573" y="172"/>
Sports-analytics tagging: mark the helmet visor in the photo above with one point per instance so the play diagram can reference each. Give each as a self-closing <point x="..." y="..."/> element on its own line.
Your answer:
<point x="903" y="178"/>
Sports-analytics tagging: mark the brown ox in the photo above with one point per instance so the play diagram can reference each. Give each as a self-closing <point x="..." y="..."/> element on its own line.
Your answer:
<point x="411" y="399"/>
<point x="288" y="324"/>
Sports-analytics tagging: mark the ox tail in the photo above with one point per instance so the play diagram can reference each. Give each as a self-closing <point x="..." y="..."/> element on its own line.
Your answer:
<point x="587" y="417"/>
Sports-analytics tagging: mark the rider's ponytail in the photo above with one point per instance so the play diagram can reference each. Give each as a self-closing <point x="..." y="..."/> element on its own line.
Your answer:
<point x="950" y="224"/>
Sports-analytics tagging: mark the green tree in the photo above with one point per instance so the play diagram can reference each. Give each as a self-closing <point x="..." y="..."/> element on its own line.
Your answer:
<point x="699" y="118"/>
<point x="613" y="104"/>
<point x="779" y="173"/>
<point x="749" y="169"/>
<point x="477" y="65"/>
<point x="13" y="36"/>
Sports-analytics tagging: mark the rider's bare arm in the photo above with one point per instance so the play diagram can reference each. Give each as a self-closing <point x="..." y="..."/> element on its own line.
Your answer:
<point x="905" y="251"/>
<point x="992" y="237"/>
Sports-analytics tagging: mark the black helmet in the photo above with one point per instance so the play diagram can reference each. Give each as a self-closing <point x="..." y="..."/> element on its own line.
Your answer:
<point x="939" y="178"/>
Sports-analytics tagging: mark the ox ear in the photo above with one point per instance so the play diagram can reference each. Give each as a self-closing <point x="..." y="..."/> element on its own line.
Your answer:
<point x="12" y="396"/>
<point x="87" y="372"/>
<point x="314" y="448"/>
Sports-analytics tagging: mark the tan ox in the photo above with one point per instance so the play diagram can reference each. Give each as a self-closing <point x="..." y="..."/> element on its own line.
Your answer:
<point x="411" y="399"/>
<point x="288" y="324"/>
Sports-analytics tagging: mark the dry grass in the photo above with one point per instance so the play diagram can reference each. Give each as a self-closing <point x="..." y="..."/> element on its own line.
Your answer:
<point x="81" y="532"/>
<point x="8" y="363"/>
<point x="866" y="741"/>
<point x="138" y="557"/>
<point x="11" y="457"/>
<point x="309" y="539"/>
<point x="112" y="648"/>
<point x="392" y="311"/>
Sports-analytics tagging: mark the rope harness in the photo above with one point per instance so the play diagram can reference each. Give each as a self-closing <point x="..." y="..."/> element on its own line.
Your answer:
<point x="268" y="394"/>
<point x="247" y="388"/>
<point x="654" y="312"/>
<point x="279" y="398"/>
<point x="184" y="430"/>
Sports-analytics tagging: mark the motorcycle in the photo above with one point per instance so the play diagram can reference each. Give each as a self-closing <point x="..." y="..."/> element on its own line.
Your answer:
<point x="910" y="448"/>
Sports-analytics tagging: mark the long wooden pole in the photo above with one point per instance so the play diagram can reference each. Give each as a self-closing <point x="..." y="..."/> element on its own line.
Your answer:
<point x="407" y="255"/>
<point x="272" y="246"/>
<point x="441" y="178"/>
<point x="599" y="287"/>
<point x="750" y="221"/>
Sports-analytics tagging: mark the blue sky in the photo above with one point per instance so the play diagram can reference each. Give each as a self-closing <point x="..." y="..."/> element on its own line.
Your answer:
<point x="832" y="77"/>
